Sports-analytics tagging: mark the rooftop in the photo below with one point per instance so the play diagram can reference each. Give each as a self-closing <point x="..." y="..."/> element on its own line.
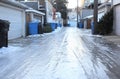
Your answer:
<point x="14" y="3"/>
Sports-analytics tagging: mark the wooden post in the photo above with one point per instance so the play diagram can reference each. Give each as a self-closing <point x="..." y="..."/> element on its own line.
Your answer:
<point x="95" y="15"/>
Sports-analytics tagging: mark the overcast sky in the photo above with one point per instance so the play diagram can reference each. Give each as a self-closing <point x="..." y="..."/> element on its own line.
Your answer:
<point x="73" y="3"/>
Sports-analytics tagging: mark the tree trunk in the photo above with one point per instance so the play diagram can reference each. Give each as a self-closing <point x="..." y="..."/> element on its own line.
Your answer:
<point x="65" y="22"/>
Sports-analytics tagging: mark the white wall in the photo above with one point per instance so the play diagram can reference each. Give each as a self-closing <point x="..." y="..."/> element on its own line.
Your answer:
<point x="72" y="18"/>
<point x="72" y="15"/>
<point x="102" y="1"/>
<point x="117" y="19"/>
<point x="16" y="17"/>
<point x="49" y="15"/>
<point x="116" y="2"/>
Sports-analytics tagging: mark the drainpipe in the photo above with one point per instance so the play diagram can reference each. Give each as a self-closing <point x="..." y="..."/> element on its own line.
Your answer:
<point x="77" y="13"/>
<point x="46" y="12"/>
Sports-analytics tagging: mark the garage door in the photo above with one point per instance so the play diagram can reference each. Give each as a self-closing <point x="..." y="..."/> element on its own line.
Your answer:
<point x="15" y="18"/>
<point x="117" y="19"/>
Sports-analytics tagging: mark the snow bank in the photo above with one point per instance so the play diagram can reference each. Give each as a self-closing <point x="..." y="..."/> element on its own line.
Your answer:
<point x="5" y="51"/>
<point x="13" y="49"/>
<point x="41" y="35"/>
<point x="57" y="30"/>
<point x="118" y="45"/>
<point x="9" y="49"/>
<point x="88" y="33"/>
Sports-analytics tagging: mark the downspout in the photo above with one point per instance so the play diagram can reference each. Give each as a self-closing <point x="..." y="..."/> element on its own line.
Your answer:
<point x="46" y="6"/>
<point x="23" y="24"/>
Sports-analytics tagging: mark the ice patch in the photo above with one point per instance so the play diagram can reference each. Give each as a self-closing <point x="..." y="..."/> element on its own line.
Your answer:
<point x="87" y="32"/>
<point x="118" y="45"/>
<point x="36" y="35"/>
<point x="57" y="30"/>
<point x="8" y="50"/>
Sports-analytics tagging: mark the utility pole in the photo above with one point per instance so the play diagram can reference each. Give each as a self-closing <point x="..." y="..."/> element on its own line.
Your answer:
<point x="95" y="15"/>
<point x="77" y="14"/>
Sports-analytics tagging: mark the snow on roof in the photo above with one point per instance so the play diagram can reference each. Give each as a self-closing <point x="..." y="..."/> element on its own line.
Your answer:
<point x="91" y="16"/>
<point x="35" y="11"/>
<point x="14" y="3"/>
<point x="104" y="5"/>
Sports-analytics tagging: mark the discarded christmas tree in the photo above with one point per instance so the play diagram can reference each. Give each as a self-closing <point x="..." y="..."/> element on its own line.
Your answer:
<point x="105" y="24"/>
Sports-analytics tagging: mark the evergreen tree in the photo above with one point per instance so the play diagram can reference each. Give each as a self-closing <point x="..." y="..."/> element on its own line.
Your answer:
<point x="61" y="7"/>
<point x="105" y="24"/>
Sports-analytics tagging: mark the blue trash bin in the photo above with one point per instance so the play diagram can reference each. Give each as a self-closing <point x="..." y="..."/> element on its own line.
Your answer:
<point x="92" y="27"/>
<point x="53" y="26"/>
<point x="80" y="25"/>
<point x="68" y="24"/>
<point x="58" y="25"/>
<point x="33" y="28"/>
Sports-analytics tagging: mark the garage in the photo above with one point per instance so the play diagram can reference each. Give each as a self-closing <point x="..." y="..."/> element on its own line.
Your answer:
<point x="117" y="19"/>
<point x="16" y="17"/>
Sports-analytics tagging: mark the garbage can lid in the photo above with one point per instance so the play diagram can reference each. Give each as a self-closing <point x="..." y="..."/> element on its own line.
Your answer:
<point x="4" y="21"/>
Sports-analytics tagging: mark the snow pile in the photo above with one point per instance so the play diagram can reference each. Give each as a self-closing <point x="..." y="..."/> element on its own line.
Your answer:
<point x="57" y="30"/>
<point x="88" y="32"/>
<point x="36" y="35"/>
<point x="8" y="50"/>
<point x="41" y="35"/>
<point x="118" y="45"/>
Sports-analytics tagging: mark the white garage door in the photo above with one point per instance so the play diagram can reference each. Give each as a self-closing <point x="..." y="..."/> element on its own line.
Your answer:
<point x="15" y="18"/>
<point x="117" y="19"/>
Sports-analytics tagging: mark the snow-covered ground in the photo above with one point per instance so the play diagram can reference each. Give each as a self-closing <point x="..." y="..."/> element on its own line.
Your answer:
<point x="10" y="48"/>
<point x="67" y="53"/>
